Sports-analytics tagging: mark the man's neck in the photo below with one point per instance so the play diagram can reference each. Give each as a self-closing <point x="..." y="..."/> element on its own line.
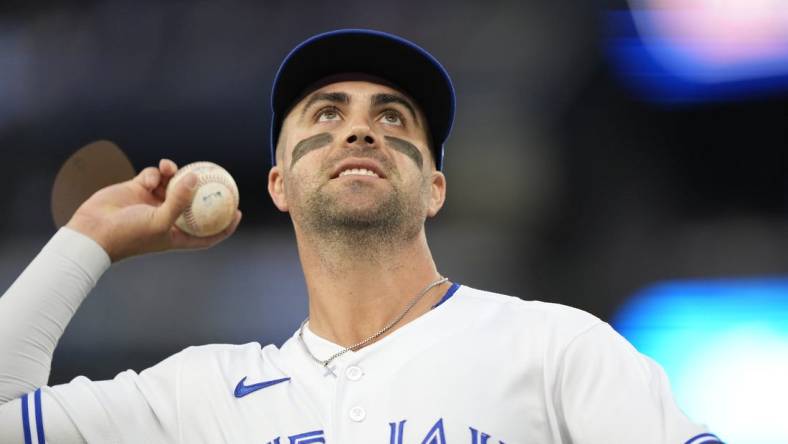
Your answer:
<point x="353" y="294"/>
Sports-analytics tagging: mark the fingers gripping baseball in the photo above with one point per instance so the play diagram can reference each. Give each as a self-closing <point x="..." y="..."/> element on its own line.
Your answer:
<point x="187" y="241"/>
<point x="179" y="198"/>
<point x="148" y="178"/>
<point x="137" y="216"/>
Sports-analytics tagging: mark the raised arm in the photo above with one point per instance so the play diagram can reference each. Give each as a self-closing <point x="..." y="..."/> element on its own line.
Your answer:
<point x="126" y="219"/>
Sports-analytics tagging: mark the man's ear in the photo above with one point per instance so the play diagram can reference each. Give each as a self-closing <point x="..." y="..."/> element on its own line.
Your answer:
<point x="437" y="193"/>
<point x="276" y="188"/>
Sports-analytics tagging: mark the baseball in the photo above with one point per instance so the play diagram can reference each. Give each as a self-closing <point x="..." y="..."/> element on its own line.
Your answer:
<point x="215" y="199"/>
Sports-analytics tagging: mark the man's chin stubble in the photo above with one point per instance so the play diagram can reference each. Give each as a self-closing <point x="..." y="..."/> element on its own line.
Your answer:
<point x="361" y="232"/>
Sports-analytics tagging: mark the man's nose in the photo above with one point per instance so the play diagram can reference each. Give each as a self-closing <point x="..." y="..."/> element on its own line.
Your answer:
<point x="361" y="135"/>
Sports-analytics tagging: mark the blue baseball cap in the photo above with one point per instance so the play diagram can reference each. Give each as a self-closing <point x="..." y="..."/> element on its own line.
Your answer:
<point x="392" y="58"/>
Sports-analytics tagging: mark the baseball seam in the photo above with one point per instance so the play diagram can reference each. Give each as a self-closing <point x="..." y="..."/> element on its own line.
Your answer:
<point x="203" y="179"/>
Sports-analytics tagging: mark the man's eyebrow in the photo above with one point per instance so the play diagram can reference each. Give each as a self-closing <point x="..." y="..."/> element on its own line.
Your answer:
<point x="335" y="97"/>
<point x="382" y="99"/>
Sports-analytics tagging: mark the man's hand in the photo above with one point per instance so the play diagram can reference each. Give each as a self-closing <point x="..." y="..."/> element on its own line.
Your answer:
<point x="135" y="217"/>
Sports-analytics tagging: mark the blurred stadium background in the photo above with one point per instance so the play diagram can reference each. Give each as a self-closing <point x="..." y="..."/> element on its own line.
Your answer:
<point x="626" y="158"/>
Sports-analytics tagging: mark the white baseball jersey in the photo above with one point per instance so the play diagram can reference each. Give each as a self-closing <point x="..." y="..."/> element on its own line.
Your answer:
<point x="479" y="368"/>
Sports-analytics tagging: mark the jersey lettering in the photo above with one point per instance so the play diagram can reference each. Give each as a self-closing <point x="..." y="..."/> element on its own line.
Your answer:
<point x="480" y="437"/>
<point x="396" y="433"/>
<point x="314" y="437"/>
<point x="436" y="434"/>
<point x="308" y="438"/>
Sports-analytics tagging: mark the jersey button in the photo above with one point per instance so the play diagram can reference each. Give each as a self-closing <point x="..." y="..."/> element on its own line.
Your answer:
<point x="354" y="373"/>
<point x="357" y="414"/>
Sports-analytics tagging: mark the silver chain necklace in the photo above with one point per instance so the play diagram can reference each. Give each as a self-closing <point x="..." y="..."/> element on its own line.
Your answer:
<point x="383" y="330"/>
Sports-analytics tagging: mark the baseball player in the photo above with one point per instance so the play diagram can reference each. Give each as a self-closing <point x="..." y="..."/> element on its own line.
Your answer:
<point x="391" y="351"/>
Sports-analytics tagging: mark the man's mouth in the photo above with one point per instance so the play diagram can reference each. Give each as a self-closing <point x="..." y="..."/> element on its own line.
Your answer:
<point x="358" y="172"/>
<point x="358" y="168"/>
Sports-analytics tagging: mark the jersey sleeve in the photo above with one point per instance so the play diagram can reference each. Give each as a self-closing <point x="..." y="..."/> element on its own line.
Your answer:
<point x="130" y="408"/>
<point x="21" y="421"/>
<point x="609" y="392"/>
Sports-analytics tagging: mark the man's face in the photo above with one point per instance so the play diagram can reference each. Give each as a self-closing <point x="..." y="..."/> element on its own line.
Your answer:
<point x="355" y="154"/>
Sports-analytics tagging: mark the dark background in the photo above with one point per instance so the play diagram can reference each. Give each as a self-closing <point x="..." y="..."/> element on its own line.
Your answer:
<point x="564" y="185"/>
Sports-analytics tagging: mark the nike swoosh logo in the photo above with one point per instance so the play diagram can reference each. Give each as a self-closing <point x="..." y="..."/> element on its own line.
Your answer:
<point x="242" y="390"/>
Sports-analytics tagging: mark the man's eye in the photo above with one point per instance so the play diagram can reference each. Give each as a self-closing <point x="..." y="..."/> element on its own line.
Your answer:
<point x="327" y="115"/>
<point x="392" y="118"/>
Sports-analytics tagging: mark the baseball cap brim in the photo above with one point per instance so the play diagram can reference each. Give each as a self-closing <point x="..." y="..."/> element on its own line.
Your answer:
<point x="387" y="56"/>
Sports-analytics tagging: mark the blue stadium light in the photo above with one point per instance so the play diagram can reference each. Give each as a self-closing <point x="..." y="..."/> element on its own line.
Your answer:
<point x="677" y="51"/>
<point x="724" y="345"/>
